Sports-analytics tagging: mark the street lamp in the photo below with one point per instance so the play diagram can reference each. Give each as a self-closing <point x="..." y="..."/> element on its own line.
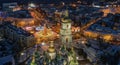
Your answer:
<point x="42" y="43"/>
<point x="83" y="41"/>
<point x="77" y="57"/>
<point x="22" y="53"/>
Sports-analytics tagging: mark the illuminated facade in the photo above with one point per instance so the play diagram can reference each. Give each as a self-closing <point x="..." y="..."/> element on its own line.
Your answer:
<point x="65" y="31"/>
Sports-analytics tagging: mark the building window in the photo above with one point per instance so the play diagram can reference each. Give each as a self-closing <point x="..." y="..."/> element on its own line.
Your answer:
<point x="67" y="26"/>
<point x="66" y="40"/>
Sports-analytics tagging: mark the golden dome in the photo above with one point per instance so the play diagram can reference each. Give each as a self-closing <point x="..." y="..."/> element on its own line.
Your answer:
<point x="45" y="63"/>
<point x="51" y="48"/>
<point x="66" y="20"/>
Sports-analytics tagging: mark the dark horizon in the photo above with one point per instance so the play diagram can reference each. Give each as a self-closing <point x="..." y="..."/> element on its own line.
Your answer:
<point x="50" y="1"/>
<point x="35" y="1"/>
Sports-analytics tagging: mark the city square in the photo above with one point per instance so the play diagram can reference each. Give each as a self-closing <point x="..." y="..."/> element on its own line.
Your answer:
<point x="74" y="32"/>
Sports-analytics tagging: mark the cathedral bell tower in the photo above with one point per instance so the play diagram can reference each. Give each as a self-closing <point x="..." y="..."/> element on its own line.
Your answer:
<point x="65" y="31"/>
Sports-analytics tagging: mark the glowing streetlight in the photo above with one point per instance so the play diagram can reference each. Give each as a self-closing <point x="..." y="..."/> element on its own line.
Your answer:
<point x="83" y="42"/>
<point x="22" y="54"/>
<point x="32" y="5"/>
<point x="42" y="43"/>
<point x="77" y="58"/>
